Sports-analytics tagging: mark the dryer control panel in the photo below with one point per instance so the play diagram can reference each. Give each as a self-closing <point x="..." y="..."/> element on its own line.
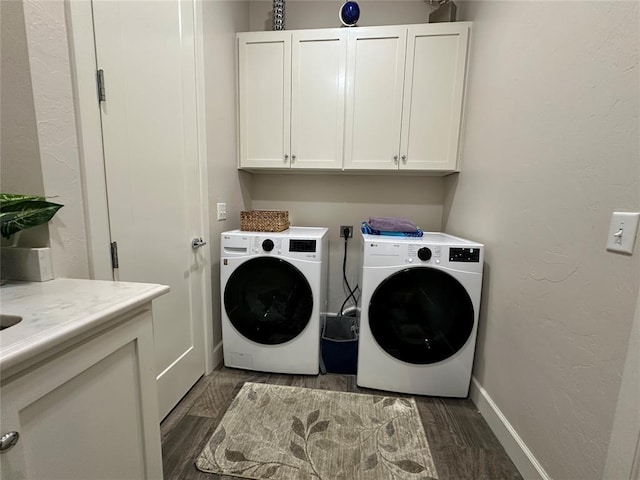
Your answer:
<point x="458" y="254"/>
<point x="464" y="255"/>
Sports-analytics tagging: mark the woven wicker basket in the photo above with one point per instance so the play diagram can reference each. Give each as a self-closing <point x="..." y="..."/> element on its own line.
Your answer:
<point x="264" y="220"/>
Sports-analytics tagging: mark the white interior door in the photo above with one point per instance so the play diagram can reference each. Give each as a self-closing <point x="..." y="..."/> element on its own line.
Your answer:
<point x="149" y="125"/>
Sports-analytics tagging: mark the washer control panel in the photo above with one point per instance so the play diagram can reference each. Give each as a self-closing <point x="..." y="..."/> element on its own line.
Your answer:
<point x="417" y="253"/>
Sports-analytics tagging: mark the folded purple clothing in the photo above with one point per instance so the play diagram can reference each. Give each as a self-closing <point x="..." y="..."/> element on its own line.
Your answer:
<point x="393" y="224"/>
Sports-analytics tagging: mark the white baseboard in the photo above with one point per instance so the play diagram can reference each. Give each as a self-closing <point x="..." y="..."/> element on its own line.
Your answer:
<point x="520" y="455"/>
<point x="217" y="356"/>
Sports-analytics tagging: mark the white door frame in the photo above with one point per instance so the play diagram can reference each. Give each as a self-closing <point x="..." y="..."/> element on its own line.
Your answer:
<point x="83" y="70"/>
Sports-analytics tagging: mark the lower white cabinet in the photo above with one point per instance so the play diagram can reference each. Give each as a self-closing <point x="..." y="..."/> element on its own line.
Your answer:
<point x="88" y="412"/>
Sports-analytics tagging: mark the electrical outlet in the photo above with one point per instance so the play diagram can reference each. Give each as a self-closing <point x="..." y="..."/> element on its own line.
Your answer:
<point x="343" y="227"/>
<point x="222" y="211"/>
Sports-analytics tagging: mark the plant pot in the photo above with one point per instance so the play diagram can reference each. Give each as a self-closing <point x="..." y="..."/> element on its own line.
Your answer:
<point x="12" y="241"/>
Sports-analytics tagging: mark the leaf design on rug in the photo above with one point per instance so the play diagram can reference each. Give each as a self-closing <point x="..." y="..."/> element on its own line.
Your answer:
<point x="389" y="448"/>
<point x="312" y="417"/>
<point x="234" y="456"/>
<point x="356" y="418"/>
<point x="390" y="429"/>
<point x="371" y="462"/>
<point x="319" y="427"/>
<point x="409" y="466"/>
<point x="264" y="401"/>
<point x="388" y="402"/>
<point x="326" y="444"/>
<point x="298" y="427"/>
<point x="340" y="420"/>
<point x="375" y="420"/>
<point x="405" y="402"/>
<point x="252" y="395"/>
<point x="217" y="438"/>
<point x="297" y="451"/>
<point x="271" y="471"/>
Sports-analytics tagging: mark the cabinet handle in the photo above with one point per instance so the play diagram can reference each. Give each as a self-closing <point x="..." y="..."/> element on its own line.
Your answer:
<point x="8" y="441"/>
<point x="293" y="158"/>
<point x="404" y="159"/>
<point x="286" y="157"/>
<point x="395" y="159"/>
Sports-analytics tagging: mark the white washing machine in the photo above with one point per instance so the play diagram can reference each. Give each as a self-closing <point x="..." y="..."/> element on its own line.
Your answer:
<point x="274" y="290"/>
<point x="419" y="317"/>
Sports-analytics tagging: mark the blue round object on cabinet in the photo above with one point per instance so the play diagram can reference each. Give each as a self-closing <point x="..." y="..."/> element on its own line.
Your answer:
<point x="349" y="14"/>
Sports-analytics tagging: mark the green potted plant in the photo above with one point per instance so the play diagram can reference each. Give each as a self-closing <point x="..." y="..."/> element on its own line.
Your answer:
<point x="19" y="212"/>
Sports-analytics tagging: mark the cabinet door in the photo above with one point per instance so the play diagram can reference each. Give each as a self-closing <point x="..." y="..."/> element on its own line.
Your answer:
<point x="264" y="93"/>
<point x="375" y="77"/>
<point x="89" y="413"/>
<point x="433" y="92"/>
<point x="318" y="68"/>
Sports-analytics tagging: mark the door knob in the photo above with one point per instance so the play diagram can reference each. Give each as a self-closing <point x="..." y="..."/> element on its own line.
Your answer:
<point x="197" y="243"/>
<point x="8" y="441"/>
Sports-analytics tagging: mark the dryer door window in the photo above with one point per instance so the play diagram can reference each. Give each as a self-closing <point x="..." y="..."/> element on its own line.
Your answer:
<point x="421" y="315"/>
<point x="268" y="300"/>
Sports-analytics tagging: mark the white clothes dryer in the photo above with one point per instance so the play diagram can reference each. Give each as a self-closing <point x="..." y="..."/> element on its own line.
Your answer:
<point x="419" y="317"/>
<point x="274" y="290"/>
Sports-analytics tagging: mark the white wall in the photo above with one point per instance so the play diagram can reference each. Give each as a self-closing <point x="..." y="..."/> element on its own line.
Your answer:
<point x="334" y="200"/>
<point x="550" y="150"/>
<point x="56" y="170"/>
<point x="301" y="14"/>
<point x="20" y="170"/>
<point x="221" y="21"/>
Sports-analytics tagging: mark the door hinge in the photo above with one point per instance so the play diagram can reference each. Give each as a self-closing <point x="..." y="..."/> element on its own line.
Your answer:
<point x="102" y="96"/>
<point x="114" y="255"/>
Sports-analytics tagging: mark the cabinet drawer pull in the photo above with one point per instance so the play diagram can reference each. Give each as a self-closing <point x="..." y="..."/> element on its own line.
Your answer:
<point x="8" y="441"/>
<point x="395" y="159"/>
<point x="286" y="157"/>
<point x="404" y="159"/>
<point x="293" y="158"/>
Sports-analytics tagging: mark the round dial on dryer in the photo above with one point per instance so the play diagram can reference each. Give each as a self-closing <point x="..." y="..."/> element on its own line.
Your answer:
<point x="424" y="254"/>
<point x="267" y="245"/>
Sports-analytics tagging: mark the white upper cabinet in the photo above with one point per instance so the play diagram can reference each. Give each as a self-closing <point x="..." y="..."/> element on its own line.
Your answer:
<point x="291" y="99"/>
<point x="264" y="99"/>
<point x="369" y="99"/>
<point x="433" y="93"/>
<point x="405" y="91"/>
<point x="374" y="104"/>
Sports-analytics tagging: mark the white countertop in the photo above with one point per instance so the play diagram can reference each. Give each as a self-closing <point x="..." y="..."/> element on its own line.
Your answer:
<point x="58" y="310"/>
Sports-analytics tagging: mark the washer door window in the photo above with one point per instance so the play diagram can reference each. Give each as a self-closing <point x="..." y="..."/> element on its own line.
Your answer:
<point x="268" y="300"/>
<point x="421" y="315"/>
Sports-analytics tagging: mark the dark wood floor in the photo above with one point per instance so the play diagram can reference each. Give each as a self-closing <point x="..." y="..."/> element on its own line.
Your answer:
<point x="461" y="443"/>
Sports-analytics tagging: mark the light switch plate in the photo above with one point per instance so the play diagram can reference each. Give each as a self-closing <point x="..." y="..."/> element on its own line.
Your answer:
<point x="623" y="231"/>
<point x="221" y="211"/>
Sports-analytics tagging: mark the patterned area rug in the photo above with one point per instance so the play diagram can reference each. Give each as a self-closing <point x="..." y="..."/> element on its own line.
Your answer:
<point x="285" y="433"/>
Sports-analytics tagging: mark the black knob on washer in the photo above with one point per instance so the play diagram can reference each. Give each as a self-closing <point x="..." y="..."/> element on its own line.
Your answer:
<point x="267" y="245"/>
<point x="424" y="254"/>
